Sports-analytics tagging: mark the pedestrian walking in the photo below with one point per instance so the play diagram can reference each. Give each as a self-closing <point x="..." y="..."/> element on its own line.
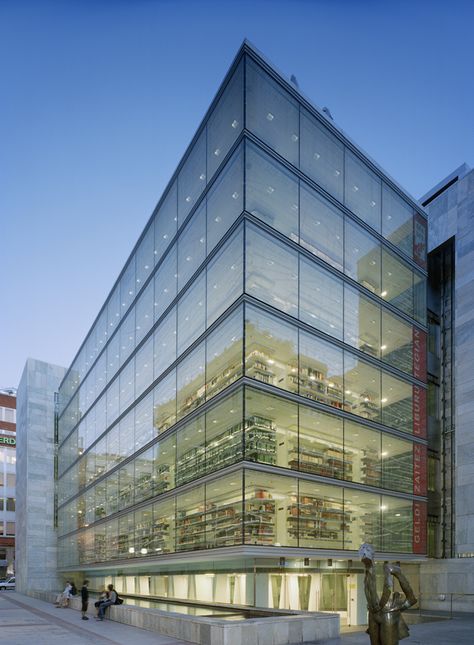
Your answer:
<point x="84" y="599"/>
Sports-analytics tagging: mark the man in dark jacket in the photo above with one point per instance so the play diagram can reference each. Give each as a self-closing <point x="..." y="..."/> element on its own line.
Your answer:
<point x="85" y="599"/>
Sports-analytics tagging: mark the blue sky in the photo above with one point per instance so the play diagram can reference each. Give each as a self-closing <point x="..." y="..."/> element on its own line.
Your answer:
<point x="98" y="99"/>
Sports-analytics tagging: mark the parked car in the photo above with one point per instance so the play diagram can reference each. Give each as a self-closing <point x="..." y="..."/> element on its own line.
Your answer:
<point x="8" y="583"/>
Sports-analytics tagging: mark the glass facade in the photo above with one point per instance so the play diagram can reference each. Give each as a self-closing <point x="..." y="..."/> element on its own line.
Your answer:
<point x="255" y="377"/>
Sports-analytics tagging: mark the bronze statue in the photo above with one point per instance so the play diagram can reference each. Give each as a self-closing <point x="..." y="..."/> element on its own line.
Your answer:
<point x="386" y="624"/>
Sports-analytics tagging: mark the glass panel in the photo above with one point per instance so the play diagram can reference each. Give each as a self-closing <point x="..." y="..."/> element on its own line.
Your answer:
<point x="419" y="298"/>
<point x="225" y="199"/>
<point x="397" y="525"/>
<point x="225" y="277"/>
<point x="112" y="393"/>
<point x="166" y="284"/>
<point x="165" y="403"/>
<point x="320" y="517"/>
<point x="224" y="507"/>
<point x="397" y="282"/>
<point x="192" y="178"/>
<point x="144" y="430"/>
<point x="271" y="271"/>
<point x="363" y="448"/>
<point x="126" y="485"/>
<point x="127" y="286"/>
<point x="397" y="220"/>
<point x="165" y="343"/>
<point x="226" y="121"/>
<point x="113" y="447"/>
<point x="271" y="113"/>
<point x="362" y="257"/>
<point x="191" y="520"/>
<point x="145" y="258"/>
<point x="320" y="373"/>
<point x="143" y="475"/>
<point x="191" y="452"/>
<point x="127" y="434"/>
<point x="397" y="403"/>
<point x="361" y="322"/>
<point x="113" y="356"/>
<point x="397" y="464"/>
<point x="144" y="368"/>
<point x="143" y="531"/>
<point x="164" y="464"/>
<point x="363" y="191"/>
<point x="113" y="311"/>
<point x="321" y="155"/>
<point x="271" y="430"/>
<point x="126" y="536"/>
<point x="127" y="385"/>
<point x="364" y="511"/>
<point x="271" y="192"/>
<point x="362" y="388"/>
<point x="191" y="381"/>
<point x="192" y="313"/>
<point x="164" y="527"/>
<point x="397" y="342"/>
<point x="270" y="350"/>
<point x="112" y="499"/>
<point x="224" y="354"/>
<point x="321" y="227"/>
<point x="321" y="449"/>
<point x="224" y="439"/>
<point x="166" y="222"/>
<point x="320" y="298"/>
<point x="127" y="336"/>
<point x="144" y="313"/>
<point x="192" y="246"/>
<point x="269" y="504"/>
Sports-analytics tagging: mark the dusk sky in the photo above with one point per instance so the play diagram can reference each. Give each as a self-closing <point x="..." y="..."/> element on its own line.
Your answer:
<point x="99" y="98"/>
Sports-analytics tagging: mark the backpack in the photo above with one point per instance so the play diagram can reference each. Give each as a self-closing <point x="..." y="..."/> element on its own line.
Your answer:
<point x="119" y="601"/>
<point x="73" y="591"/>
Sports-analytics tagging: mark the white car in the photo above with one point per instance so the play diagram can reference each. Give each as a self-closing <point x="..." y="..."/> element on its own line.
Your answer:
<point x="8" y="583"/>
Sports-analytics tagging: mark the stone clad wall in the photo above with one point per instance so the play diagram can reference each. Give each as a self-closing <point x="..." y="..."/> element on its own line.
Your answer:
<point x="36" y="546"/>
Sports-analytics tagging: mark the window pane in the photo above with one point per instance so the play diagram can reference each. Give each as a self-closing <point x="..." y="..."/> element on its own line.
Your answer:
<point x="362" y="259"/>
<point x="362" y="388"/>
<point x="226" y="121"/>
<point x="321" y="227"/>
<point x="166" y="284"/>
<point x="144" y="430"/>
<point x="225" y="277"/>
<point x="144" y="368"/>
<point x="397" y="525"/>
<point x="363" y="191"/>
<point x="419" y="298"/>
<point x="361" y="322"/>
<point x="191" y="453"/>
<point x="271" y="192"/>
<point x="166" y="223"/>
<point x="143" y="475"/>
<point x="127" y="435"/>
<point x="145" y="257"/>
<point x="224" y="433"/>
<point x="191" y="381"/>
<point x="113" y="356"/>
<point x="397" y="342"/>
<point x="397" y="403"/>
<point x="224" y="354"/>
<point x="269" y="505"/>
<point x="127" y="385"/>
<point x="271" y="350"/>
<point x="192" y="246"/>
<point x="363" y="448"/>
<point x="126" y="485"/>
<point x="322" y="155"/>
<point x="397" y="464"/>
<point x="320" y="298"/>
<point x="320" y="373"/>
<point x="271" y="113"/>
<point x="271" y="430"/>
<point x="164" y="463"/>
<point x="113" y="447"/>
<point x="271" y="272"/>
<point x="143" y="520"/>
<point x="165" y="343"/>
<point x="364" y="511"/>
<point x="191" y="520"/>
<point x="321" y="516"/>
<point x="164" y="527"/>
<point x="224" y="511"/>
<point x="321" y="445"/>
<point x="192" y="313"/>
<point x="113" y="408"/>
<point x="397" y="220"/>
<point x="192" y="178"/>
<point x="144" y="313"/>
<point x="397" y="282"/>
<point x="225" y="199"/>
<point x="127" y="336"/>
<point x="127" y="286"/>
<point x="165" y="403"/>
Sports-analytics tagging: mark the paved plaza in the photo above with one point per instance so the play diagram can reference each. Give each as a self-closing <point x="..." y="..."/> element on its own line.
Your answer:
<point x="24" y="620"/>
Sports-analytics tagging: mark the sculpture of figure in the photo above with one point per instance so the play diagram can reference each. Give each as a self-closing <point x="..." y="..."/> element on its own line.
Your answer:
<point x="386" y="624"/>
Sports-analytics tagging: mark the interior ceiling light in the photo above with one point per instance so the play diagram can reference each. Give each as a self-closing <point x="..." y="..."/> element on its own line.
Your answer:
<point x="383" y="294"/>
<point x="317" y="155"/>
<point x="270" y="116"/>
<point x="234" y="123"/>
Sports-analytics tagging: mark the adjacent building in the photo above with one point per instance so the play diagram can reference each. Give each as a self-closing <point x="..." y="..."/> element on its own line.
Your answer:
<point x="250" y="403"/>
<point x="7" y="481"/>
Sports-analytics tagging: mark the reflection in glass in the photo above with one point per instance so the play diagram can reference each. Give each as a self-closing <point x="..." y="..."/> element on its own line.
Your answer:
<point x="320" y="298"/>
<point x="145" y="258"/>
<point x="397" y="524"/>
<point x="363" y="191"/>
<point x="397" y="342"/>
<point x="224" y="354"/>
<point x="362" y="259"/>
<point x="361" y="322"/>
<point x="164" y="527"/>
<point x="192" y="246"/>
<point x="192" y="178"/>
<point x="164" y="462"/>
<point x="166" y="284"/>
<point x="224" y="433"/>
<point x="165" y="403"/>
<point x="321" y="227"/>
<point x="397" y="282"/>
<point x="166" y="222"/>
<point x="192" y="313"/>
<point x="191" y="452"/>
<point x="363" y="448"/>
<point x="225" y="277"/>
<point x="397" y="403"/>
<point x="397" y="220"/>
<point x="191" y="381"/>
<point x="397" y="464"/>
<point x="271" y="192"/>
<point x="364" y="510"/>
<point x="320" y="371"/>
<point x="164" y="348"/>
<point x="361" y="388"/>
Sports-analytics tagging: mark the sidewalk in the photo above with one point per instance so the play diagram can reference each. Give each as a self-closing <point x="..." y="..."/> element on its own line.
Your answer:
<point x="25" y="620"/>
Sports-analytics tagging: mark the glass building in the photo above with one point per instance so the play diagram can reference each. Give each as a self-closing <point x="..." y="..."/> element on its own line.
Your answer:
<point x="249" y="405"/>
